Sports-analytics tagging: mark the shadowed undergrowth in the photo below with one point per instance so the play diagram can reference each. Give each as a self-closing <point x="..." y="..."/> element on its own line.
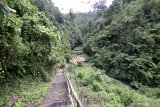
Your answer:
<point x="29" y="91"/>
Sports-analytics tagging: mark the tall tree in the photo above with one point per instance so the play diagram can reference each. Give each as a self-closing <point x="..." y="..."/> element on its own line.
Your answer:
<point x="71" y="14"/>
<point x="99" y="6"/>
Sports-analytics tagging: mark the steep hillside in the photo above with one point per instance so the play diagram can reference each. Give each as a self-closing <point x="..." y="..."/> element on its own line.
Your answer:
<point x="30" y="46"/>
<point x="63" y="22"/>
<point x="99" y="90"/>
<point x="30" y="43"/>
<point x="124" y="42"/>
<point x="82" y="20"/>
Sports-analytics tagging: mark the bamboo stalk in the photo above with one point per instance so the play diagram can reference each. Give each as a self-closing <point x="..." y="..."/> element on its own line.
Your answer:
<point x="69" y="91"/>
<point x="73" y="93"/>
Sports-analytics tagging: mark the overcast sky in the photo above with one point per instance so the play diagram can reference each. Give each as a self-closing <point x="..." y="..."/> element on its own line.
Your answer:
<point x="76" y="5"/>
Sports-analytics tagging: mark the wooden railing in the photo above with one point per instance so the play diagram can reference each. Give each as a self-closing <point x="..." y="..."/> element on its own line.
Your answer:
<point x="72" y="93"/>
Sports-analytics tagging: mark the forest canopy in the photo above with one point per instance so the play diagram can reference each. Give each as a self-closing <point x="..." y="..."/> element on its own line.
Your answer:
<point x="118" y="48"/>
<point x="30" y="42"/>
<point x="125" y="39"/>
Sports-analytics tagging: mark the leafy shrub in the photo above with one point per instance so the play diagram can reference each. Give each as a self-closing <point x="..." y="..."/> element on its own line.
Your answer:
<point x="97" y="86"/>
<point x="81" y="74"/>
<point x="68" y="58"/>
<point x="30" y="43"/>
<point x="125" y="42"/>
<point x="109" y="91"/>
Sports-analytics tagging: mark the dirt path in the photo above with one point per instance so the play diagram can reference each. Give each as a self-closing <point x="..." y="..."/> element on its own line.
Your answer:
<point x="57" y="95"/>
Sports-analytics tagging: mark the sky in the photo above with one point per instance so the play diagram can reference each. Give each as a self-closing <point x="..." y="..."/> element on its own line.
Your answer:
<point x="77" y="5"/>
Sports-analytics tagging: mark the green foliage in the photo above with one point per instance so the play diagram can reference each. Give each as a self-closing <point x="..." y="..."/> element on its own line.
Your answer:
<point x="74" y="34"/>
<point x="30" y="43"/>
<point x="84" y="21"/>
<point x="96" y="88"/>
<point x="50" y="10"/>
<point x="28" y="95"/>
<point x="99" y="6"/>
<point x="61" y="21"/>
<point x="124" y="41"/>
<point x="29" y="91"/>
<point x="4" y="10"/>
<point x="68" y="58"/>
<point x="90" y="78"/>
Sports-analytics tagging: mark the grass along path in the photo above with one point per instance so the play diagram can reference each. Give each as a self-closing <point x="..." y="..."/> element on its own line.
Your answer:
<point x="32" y="97"/>
<point x="96" y="89"/>
<point x="30" y="90"/>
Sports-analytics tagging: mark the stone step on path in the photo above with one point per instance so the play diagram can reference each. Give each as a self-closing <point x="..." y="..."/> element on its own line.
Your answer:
<point x="58" y="95"/>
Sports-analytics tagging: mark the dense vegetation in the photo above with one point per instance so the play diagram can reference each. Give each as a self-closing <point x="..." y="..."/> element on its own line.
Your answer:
<point x="124" y="41"/>
<point x="62" y="22"/>
<point x="30" y="43"/>
<point x="97" y="89"/>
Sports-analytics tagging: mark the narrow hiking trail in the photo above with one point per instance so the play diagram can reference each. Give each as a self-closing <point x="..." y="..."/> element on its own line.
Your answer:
<point x="61" y="92"/>
<point x="57" y="95"/>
